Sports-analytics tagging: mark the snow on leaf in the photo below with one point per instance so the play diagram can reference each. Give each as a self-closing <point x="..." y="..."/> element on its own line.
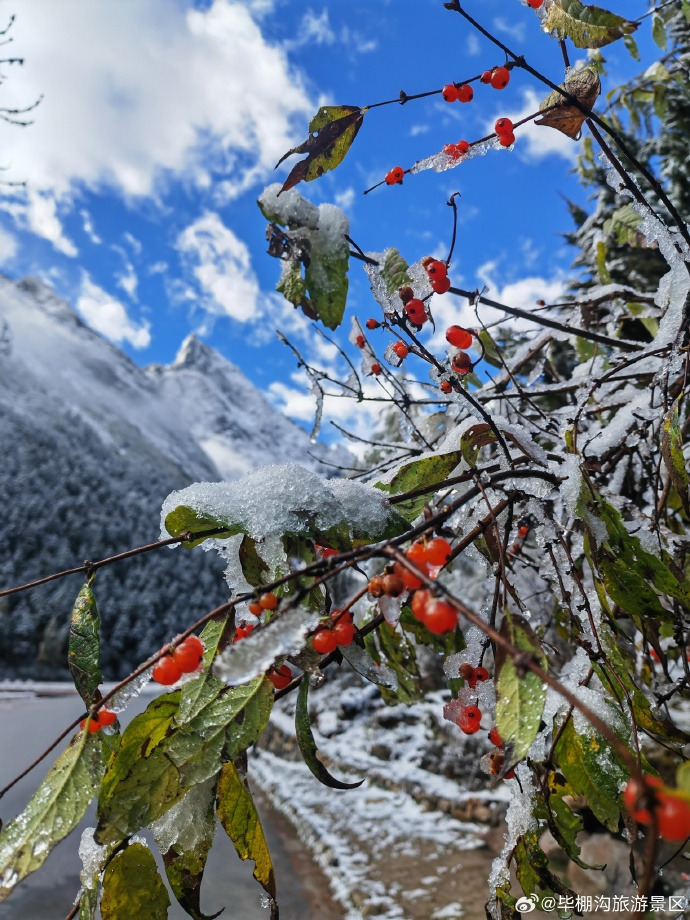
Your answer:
<point x="473" y="439"/>
<point x="132" y="886"/>
<point x="672" y="452"/>
<point x="418" y="474"/>
<point x="84" y="654"/>
<point x="369" y="669"/>
<point x="394" y="271"/>
<point x="584" y="85"/>
<point x="520" y="694"/>
<point x="532" y="870"/>
<point x="587" y="26"/>
<point x="624" y="224"/>
<point x="331" y="133"/>
<point x="307" y="745"/>
<point x="240" y="819"/>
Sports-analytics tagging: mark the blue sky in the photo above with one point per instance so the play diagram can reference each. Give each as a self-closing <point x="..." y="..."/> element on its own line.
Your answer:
<point x="160" y="124"/>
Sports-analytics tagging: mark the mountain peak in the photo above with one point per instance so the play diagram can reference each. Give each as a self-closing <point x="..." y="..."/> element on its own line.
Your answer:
<point x="193" y="353"/>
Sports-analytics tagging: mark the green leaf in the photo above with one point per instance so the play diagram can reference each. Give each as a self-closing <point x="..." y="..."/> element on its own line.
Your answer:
<point x="586" y="26"/>
<point x="132" y="887"/>
<point x="331" y="133"/>
<point x="520" y="697"/>
<point x="398" y="653"/>
<point x="683" y="776"/>
<point x="532" y="869"/>
<point x="417" y="474"/>
<point x="447" y="644"/>
<point x="88" y="903"/>
<point x="84" y="654"/>
<point x="394" y="271"/>
<point x="472" y="441"/>
<point x="292" y="285"/>
<point x="491" y="353"/>
<point x="672" y="452"/>
<point x="592" y="769"/>
<point x="55" y="809"/>
<point x="184" y="519"/>
<point x="563" y="823"/>
<point x="631" y="47"/>
<point x="240" y="819"/>
<point x="602" y="268"/>
<point x="368" y="667"/>
<point x="307" y="745"/>
<point x="184" y="837"/>
<point x="198" y="693"/>
<point x="623" y="224"/>
<point x="659" y="31"/>
<point x="326" y="278"/>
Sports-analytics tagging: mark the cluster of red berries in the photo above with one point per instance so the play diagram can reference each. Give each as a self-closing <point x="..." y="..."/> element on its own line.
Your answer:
<point x="437" y="615"/>
<point x="414" y="307"/>
<point x="243" y="631"/>
<point x="433" y="554"/>
<point x="99" y="720"/>
<point x="401" y="350"/>
<point x="268" y="601"/>
<point x="438" y="274"/>
<point x="498" y="77"/>
<point x="523" y="530"/>
<point x="461" y="361"/>
<point x="458" y="92"/>
<point x="671" y="809"/>
<point x="388" y="585"/>
<point x="469" y="719"/>
<point x="504" y="130"/>
<point x="340" y="632"/>
<point x="395" y="176"/>
<point x="183" y="659"/>
<point x="455" y="151"/>
<point x="280" y="677"/>
<point x="473" y="676"/>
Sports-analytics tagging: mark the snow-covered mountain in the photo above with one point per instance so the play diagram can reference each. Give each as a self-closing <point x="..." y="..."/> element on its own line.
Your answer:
<point x="91" y="445"/>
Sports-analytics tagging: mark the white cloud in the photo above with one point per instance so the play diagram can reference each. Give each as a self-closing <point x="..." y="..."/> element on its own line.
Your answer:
<point x="88" y="227"/>
<point x="140" y="90"/>
<point x="472" y="46"/>
<point x="534" y="142"/>
<point x="108" y="316"/>
<point x="222" y="268"/>
<point x="418" y="129"/>
<point x="515" y="30"/>
<point x="346" y="198"/>
<point x="8" y="247"/>
<point x="128" y="281"/>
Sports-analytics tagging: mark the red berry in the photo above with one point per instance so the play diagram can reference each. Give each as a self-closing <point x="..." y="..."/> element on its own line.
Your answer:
<point x="441" y="286"/>
<point x="495" y="738"/>
<point x="408" y="579"/>
<point x="450" y="92"/>
<point x="469" y="720"/>
<point x="390" y="180"/>
<point x="510" y="774"/>
<point x="166" y="671"/>
<point x="503" y="126"/>
<point x="465" y="93"/>
<point x="437" y="551"/>
<point x="420" y="603"/>
<point x="417" y="554"/>
<point x="467" y="726"/>
<point x="673" y="817"/>
<point x="401" y="349"/>
<point x="375" y="587"/>
<point x="187" y="657"/>
<point x="344" y="632"/>
<point x="653" y="655"/>
<point x="195" y="642"/>
<point x="451" y="150"/>
<point x="416" y="311"/>
<point x="461" y="363"/>
<point x="242" y="632"/>
<point x="634" y="791"/>
<point x="458" y="337"/>
<point x="324" y="641"/>
<point x="486" y="77"/>
<point x="440" y="618"/>
<point x="360" y="341"/>
<point x="94" y="725"/>
<point x="268" y="601"/>
<point x="462" y="147"/>
<point x="436" y="269"/>
<point x="325" y="551"/>
<point x="376" y="369"/>
<point x="466" y="671"/>
<point x="523" y="531"/>
<point x="397" y="173"/>
<point x="481" y="674"/>
<point x="535" y="4"/>
<point x="506" y="140"/>
<point x="372" y="324"/>
<point x="392" y="586"/>
<point x="500" y="77"/>
<point x="541" y="303"/>
<point x="472" y="713"/>
<point x="255" y="608"/>
<point x="106" y="716"/>
<point x="280" y="677"/>
<point x="446" y="387"/>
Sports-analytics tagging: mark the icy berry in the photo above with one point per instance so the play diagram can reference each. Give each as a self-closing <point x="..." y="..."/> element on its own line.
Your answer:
<point x="459" y="337"/>
<point x="344" y="632"/>
<point x="446" y="387"/>
<point x="166" y="671"/>
<point x="360" y="341"/>
<point x="535" y="4"/>
<point x="481" y="674"/>
<point x="440" y="618"/>
<point x="503" y="126"/>
<point x="495" y="738"/>
<point x="486" y="77"/>
<point x="242" y="632"/>
<point x="461" y="363"/>
<point x="417" y="554"/>
<point x="375" y="587"/>
<point x="401" y="349"/>
<point x="187" y="655"/>
<point x="392" y="585"/>
<point x="451" y="150"/>
<point x="94" y="724"/>
<point x="372" y="324"/>
<point x="376" y="369"/>
<point x="437" y="551"/>
<point x="462" y="147"/>
<point x="106" y="716"/>
<point x="466" y="671"/>
<point x="510" y="774"/>
<point x="255" y="608"/>
<point x="416" y="311"/>
<point x="465" y="93"/>
<point x="473" y="712"/>
<point x="469" y="720"/>
<point x="436" y="269"/>
<point x="406" y="293"/>
<point x="398" y="172"/>
<point x="324" y="641"/>
<point x="441" y="286"/>
<point x="450" y="92"/>
<point x="506" y="140"/>
<point x="500" y="77"/>
<point x="268" y="601"/>
<point x="280" y="677"/>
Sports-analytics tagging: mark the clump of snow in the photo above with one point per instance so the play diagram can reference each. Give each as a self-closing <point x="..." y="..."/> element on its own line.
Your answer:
<point x="186" y="820"/>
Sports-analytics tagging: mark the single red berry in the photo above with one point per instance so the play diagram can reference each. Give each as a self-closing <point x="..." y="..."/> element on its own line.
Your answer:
<point x="500" y="77"/>
<point x="673" y="817"/>
<point x="462" y="147"/>
<point x="481" y="674"/>
<point x="437" y="551"/>
<point x="106" y="716"/>
<point x="420" y="602"/>
<point x="510" y="774"/>
<point x="486" y="77"/>
<point x="503" y="126"/>
<point x="397" y="173"/>
<point x="255" y="608"/>
<point x="372" y="324"/>
<point x="376" y="369"/>
<point x="325" y="551"/>
<point x="541" y="303"/>
<point x="446" y="387"/>
<point x="416" y="311"/>
<point x="450" y="92"/>
<point x="440" y="618"/>
<point x="506" y="140"/>
<point x="406" y="294"/>
<point x="459" y="337"/>
<point x="401" y="349"/>
<point x="390" y="179"/>
<point x="653" y="655"/>
<point x="465" y="93"/>
<point x="196" y="643"/>
<point x="417" y="554"/>
<point x="375" y="587"/>
<point x="436" y="269"/>
<point x="442" y="286"/>
<point x="344" y="632"/>
<point x="341" y="616"/>
<point x="408" y="579"/>
<point x="187" y="657"/>
<point x="268" y="601"/>
<point x="495" y="738"/>
<point x="324" y="641"/>
<point x="535" y="4"/>
<point x="473" y="713"/>
<point x="466" y="671"/>
<point x="360" y="341"/>
<point x="468" y="726"/>
<point x="461" y="363"/>
<point x="280" y="677"/>
<point x="632" y="794"/>
<point x="94" y="725"/>
<point x="166" y="671"/>
<point x="392" y="586"/>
